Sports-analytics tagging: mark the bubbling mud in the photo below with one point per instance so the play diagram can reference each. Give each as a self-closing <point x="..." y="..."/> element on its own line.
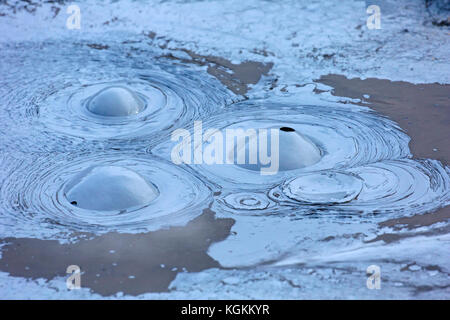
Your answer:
<point x="125" y="192"/>
<point x="81" y="103"/>
<point x="324" y="187"/>
<point x="295" y="150"/>
<point x="247" y="201"/>
<point x="109" y="188"/>
<point x="395" y="187"/>
<point x="115" y="102"/>
<point x="314" y="138"/>
<point x="342" y="160"/>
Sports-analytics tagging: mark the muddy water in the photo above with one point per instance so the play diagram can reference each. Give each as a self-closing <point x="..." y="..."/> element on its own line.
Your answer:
<point x="235" y="76"/>
<point x="422" y="110"/>
<point x="114" y="262"/>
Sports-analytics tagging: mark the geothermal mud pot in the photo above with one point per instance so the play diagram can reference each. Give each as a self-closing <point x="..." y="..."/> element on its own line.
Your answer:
<point x="87" y="178"/>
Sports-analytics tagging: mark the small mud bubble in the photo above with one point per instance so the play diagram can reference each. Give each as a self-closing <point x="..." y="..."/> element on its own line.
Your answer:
<point x="247" y="201"/>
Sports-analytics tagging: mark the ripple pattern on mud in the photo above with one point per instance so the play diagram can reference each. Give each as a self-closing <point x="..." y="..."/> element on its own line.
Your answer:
<point x="390" y="187"/>
<point x="346" y="137"/>
<point x="34" y="191"/>
<point x="364" y="165"/>
<point x="247" y="203"/>
<point x="324" y="188"/>
<point x="46" y="110"/>
<point x="45" y="91"/>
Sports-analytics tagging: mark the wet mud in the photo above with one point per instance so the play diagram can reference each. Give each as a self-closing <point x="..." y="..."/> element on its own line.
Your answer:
<point x="422" y="110"/>
<point x="115" y="262"/>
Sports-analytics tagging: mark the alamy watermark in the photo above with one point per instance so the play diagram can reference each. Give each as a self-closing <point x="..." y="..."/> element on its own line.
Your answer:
<point x="374" y="279"/>
<point x="233" y="146"/>
<point x="374" y="20"/>
<point x="74" y="20"/>
<point x="74" y="280"/>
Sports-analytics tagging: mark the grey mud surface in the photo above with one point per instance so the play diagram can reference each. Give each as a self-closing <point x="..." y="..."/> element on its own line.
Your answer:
<point x="422" y="110"/>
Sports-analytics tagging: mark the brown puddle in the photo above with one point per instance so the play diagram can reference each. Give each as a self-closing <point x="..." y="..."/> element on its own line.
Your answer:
<point x="235" y="77"/>
<point x="422" y="110"/>
<point x="139" y="263"/>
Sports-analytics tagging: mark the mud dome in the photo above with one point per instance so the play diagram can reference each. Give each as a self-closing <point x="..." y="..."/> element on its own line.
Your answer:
<point x="394" y="187"/>
<point x="106" y="102"/>
<point x="295" y="150"/>
<point x="341" y="160"/>
<point x="105" y="191"/>
<point x="115" y="102"/>
<point x="287" y="236"/>
<point x="106" y="188"/>
<point x="247" y="201"/>
<point x="313" y="138"/>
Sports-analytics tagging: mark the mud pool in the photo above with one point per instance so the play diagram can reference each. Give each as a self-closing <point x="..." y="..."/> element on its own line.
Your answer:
<point x="86" y="175"/>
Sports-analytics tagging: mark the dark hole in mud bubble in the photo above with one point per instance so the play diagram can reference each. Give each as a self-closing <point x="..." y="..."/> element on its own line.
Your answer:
<point x="287" y="129"/>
